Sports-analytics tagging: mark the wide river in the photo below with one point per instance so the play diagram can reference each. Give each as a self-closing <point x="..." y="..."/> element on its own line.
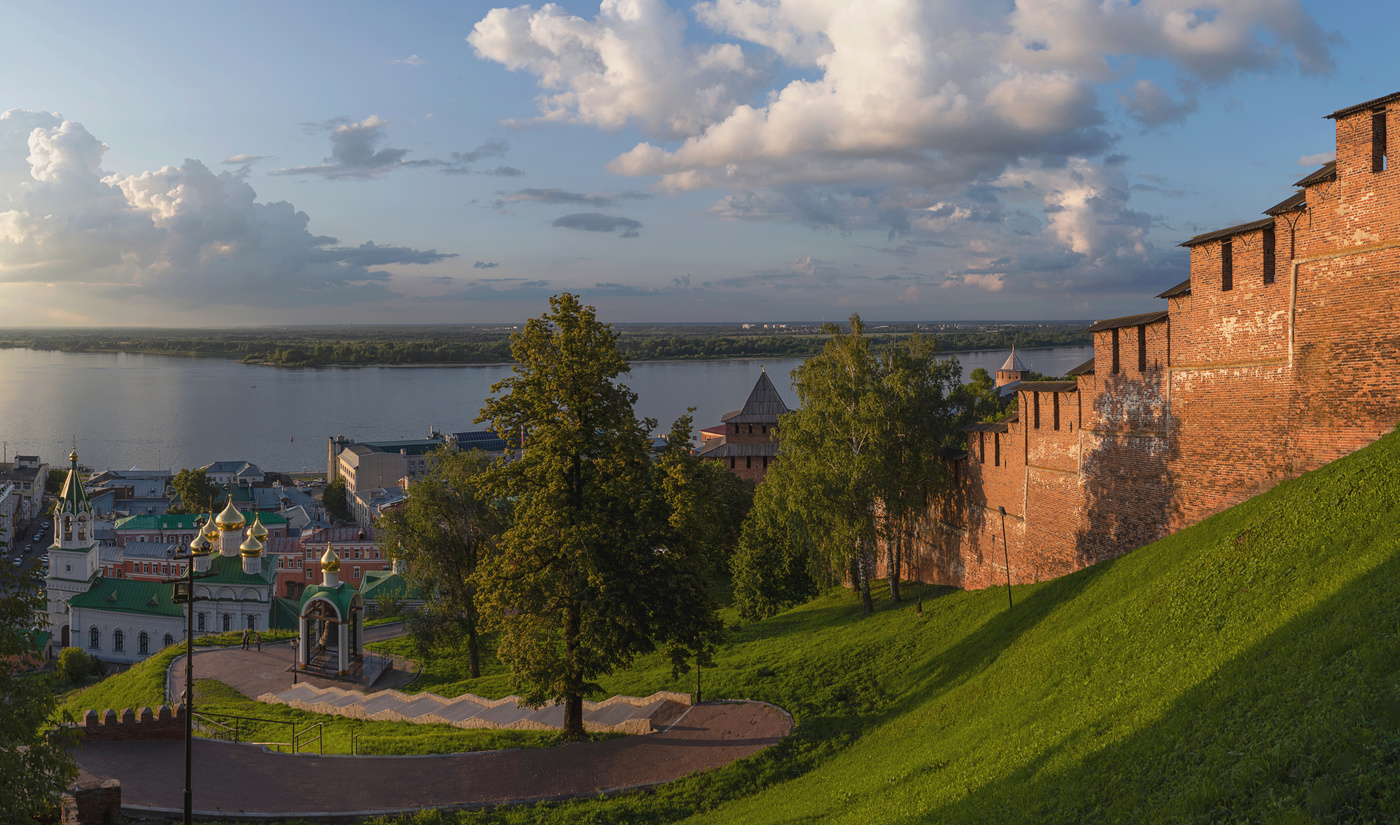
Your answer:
<point x="154" y="411"/>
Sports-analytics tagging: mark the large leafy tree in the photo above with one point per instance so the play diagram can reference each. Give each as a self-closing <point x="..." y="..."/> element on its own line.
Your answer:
<point x="197" y="493"/>
<point x="34" y="767"/>
<point x="444" y="529"/>
<point x="583" y="579"/>
<point x="857" y="462"/>
<point x="336" y="499"/>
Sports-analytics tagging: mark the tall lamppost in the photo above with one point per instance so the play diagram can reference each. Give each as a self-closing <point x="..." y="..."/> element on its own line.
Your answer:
<point x="184" y="594"/>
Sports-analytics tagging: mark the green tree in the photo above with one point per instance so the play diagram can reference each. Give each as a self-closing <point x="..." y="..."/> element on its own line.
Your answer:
<point x="442" y="532"/>
<point x="34" y="767"/>
<point x="197" y="493"/>
<point x="53" y="482"/>
<point x="857" y="458"/>
<point x="335" y="499"/>
<point x="75" y="666"/>
<point x="583" y="578"/>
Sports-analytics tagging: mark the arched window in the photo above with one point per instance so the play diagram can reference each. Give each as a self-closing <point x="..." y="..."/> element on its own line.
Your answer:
<point x="201" y="623"/>
<point x="169" y="640"/>
<point x="94" y="638"/>
<point x="144" y="642"/>
<point x="228" y="622"/>
<point x="117" y="639"/>
<point x="252" y="622"/>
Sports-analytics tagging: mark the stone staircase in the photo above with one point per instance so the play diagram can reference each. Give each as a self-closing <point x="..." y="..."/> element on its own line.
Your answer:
<point x="620" y="714"/>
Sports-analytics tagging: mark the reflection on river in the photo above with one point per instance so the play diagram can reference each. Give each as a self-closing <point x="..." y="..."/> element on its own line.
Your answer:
<point x="156" y="411"/>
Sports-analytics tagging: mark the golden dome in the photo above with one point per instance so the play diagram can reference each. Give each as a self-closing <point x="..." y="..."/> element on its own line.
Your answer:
<point x="258" y="531"/>
<point x="73" y="456"/>
<point x="200" y="545"/>
<point x="330" y="562"/>
<point x="251" y="547"/>
<point x="211" y="531"/>
<point x="230" y="518"/>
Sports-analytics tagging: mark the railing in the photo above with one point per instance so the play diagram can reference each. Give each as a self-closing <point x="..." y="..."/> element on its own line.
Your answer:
<point x="299" y="740"/>
<point x="233" y="732"/>
<point x="354" y="737"/>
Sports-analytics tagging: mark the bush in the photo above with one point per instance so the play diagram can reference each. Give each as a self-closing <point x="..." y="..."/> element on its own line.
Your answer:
<point x="75" y="666"/>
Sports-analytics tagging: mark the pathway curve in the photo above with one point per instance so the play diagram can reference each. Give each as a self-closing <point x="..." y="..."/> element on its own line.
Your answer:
<point x="245" y="779"/>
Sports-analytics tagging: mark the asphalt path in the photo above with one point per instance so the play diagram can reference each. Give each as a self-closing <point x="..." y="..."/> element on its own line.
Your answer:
<point x="232" y="780"/>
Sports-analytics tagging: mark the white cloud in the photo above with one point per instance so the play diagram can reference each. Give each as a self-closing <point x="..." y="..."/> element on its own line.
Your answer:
<point x="1151" y="106"/>
<point x="174" y="233"/>
<point x="412" y="61"/>
<point x="630" y="63"/>
<point x="1318" y="159"/>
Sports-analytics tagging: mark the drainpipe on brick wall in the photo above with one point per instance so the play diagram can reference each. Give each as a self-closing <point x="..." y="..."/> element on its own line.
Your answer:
<point x="1006" y="549"/>
<point x="1326" y="256"/>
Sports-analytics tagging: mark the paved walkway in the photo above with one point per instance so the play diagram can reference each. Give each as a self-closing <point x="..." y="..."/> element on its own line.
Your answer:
<point x="618" y="714"/>
<point x="244" y="779"/>
<point x="255" y="672"/>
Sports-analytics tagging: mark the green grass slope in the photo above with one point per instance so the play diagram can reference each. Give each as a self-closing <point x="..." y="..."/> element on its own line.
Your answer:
<point x="1244" y="670"/>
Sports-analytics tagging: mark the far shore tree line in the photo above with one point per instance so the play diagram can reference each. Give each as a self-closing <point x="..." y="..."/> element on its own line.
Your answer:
<point x="407" y="346"/>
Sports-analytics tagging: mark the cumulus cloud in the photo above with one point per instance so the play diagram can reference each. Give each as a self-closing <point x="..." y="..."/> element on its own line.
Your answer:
<point x="356" y="153"/>
<point x="598" y="222"/>
<point x="177" y="232"/>
<point x="631" y="63"/>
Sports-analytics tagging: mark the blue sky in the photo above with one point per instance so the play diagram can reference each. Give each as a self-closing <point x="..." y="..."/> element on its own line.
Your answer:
<point x="728" y="160"/>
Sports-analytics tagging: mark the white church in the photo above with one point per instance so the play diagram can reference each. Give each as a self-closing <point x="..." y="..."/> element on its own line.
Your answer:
<point x="126" y="620"/>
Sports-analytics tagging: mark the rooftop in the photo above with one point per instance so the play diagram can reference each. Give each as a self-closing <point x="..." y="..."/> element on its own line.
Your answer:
<point x="1297" y="200"/>
<point x="1183" y="288"/>
<point x="128" y="596"/>
<point x="1048" y="386"/>
<point x="1128" y="321"/>
<point x="1229" y="231"/>
<point x="1370" y="104"/>
<point x="1326" y="173"/>
<point x="764" y="405"/>
<point x="1086" y="368"/>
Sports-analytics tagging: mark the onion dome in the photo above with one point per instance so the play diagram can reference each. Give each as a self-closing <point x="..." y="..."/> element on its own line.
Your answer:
<point x="200" y="545"/>
<point x="230" y="519"/>
<point x="330" y="562"/>
<point x="211" y="530"/>
<point x="251" y="547"/>
<point x="258" y="531"/>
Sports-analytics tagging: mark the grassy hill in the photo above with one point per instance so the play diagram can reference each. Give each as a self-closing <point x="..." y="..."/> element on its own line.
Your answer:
<point x="1242" y="670"/>
<point x="1246" y="669"/>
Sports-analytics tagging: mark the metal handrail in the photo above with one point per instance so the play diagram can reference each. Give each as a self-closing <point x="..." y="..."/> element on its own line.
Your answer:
<point x="319" y="728"/>
<point x="354" y="736"/>
<point x="206" y="718"/>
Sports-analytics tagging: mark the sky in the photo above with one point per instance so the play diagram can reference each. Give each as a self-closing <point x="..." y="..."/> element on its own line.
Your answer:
<point x="254" y="164"/>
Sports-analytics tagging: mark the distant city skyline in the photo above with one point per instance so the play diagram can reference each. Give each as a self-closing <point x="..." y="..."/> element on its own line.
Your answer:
<point x="718" y="161"/>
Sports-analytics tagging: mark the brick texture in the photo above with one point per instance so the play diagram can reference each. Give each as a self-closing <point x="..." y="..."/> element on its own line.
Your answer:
<point x="1237" y="389"/>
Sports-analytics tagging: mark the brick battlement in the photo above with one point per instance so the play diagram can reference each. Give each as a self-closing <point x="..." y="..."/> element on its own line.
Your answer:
<point x="1281" y="354"/>
<point x="109" y="726"/>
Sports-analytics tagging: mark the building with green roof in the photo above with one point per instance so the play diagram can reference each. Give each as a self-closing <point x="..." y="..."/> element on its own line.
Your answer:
<point x="382" y="584"/>
<point x="125" y="619"/>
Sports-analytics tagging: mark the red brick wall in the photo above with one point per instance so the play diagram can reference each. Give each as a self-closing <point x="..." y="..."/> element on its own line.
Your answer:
<point x="1242" y="388"/>
<point x="162" y="723"/>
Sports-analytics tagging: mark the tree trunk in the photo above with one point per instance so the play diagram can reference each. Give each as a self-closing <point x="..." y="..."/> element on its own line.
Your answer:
<point x="473" y="651"/>
<point x="573" y="697"/>
<point x="867" y="605"/>
<point x="892" y="562"/>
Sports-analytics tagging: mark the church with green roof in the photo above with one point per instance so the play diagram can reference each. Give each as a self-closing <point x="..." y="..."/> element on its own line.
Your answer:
<point x="126" y="620"/>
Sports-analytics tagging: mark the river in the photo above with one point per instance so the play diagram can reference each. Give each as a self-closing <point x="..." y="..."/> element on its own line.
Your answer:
<point x="161" y="412"/>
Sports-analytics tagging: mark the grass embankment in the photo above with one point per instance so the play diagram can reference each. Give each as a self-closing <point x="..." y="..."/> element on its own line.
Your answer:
<point x="397" y="738"/>
<point x="1245" y="669"/>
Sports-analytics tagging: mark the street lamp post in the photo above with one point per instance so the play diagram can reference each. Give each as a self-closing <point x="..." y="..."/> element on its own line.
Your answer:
<point x="184" y="594"/>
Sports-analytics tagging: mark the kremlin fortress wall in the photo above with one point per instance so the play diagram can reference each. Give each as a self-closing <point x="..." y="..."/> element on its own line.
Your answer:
<point x="1278" y="355"/>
